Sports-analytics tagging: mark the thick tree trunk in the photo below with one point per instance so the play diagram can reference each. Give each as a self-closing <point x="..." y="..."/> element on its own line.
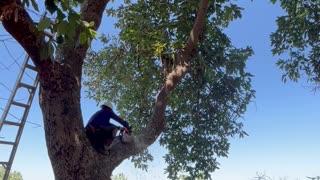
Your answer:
<point x="69" y="150"/>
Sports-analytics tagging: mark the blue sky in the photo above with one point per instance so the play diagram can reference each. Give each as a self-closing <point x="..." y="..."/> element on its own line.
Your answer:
<point x="282" y="122"/>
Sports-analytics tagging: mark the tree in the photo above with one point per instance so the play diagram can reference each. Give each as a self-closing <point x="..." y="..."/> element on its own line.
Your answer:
<point x="148" y="55"/>
<point x="120" y="176"/>
<point x="298" y="36"/>
<point x="188" y="67"/>
<point x="12" y="176"/>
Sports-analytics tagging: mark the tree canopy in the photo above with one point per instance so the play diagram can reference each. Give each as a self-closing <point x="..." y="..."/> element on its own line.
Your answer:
<point x="204" y="110"/>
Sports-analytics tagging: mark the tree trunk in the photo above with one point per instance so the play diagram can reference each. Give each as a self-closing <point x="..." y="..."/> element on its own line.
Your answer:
<point x="70" y="152"/>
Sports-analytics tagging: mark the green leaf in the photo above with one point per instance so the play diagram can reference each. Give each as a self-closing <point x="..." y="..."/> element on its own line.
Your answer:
<point x="35" y="5"/>
<point x="60" y="15"/>
<point x="93" y="33"/>
<point x="273" y="1"/>
<point x="63" y="27"/>
<point x="85" y="23"/>
<point x="44" y="24"/>
<point x="83" y="38"/>
<point x="91" y="24"/>
<point x="51" y="6"/>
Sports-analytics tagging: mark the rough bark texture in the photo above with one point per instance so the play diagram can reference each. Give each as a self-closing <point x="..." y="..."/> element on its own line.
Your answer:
<point x="60" y="85"/>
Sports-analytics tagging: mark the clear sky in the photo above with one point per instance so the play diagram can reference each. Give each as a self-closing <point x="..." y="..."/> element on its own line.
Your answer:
<point x="282" y="122"/>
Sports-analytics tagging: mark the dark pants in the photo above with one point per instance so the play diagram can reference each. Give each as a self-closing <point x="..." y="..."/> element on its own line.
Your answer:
<point x="102" y="137"/>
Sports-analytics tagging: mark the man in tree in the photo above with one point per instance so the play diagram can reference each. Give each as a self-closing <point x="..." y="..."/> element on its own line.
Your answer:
<point x="99" y="129"/>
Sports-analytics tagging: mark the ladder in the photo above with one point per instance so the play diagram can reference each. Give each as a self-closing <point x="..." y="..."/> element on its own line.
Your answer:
<point x="28" y="71"/>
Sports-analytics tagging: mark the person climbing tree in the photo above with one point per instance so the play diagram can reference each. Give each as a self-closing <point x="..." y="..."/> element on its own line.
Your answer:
<point x="99" y="129"/>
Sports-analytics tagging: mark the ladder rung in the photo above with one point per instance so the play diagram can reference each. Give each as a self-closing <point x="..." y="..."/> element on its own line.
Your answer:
<point x="31" y="67"/>
<point x="12" y="123"/>
<point x="4" y="164"/>
<point x="19" y="104"/>
<point x="27" y="86"/>
<point x="7" y="142"/>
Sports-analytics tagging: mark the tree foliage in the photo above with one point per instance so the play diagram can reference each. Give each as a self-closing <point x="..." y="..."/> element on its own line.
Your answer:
<point x="120" y="176"/>
<point x="298" y="35"/>
<point x="12" y="176"/>
<point x="62" y="25"/>
<point x="204" y="110"/>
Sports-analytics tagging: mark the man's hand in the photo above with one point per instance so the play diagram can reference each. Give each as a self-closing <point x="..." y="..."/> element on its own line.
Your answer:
<point x="124" y="130"/>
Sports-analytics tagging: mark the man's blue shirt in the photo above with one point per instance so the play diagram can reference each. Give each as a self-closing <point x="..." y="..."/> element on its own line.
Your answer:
<point x="102" y="118"/>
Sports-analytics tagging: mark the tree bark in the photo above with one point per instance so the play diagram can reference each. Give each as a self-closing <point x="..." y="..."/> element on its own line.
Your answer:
<point x="69" y="150"/>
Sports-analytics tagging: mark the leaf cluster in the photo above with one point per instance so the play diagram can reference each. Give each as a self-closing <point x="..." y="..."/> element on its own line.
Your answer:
<point x="63" y="26"/>
<point x="298" y="37"/>
<point x="163" y="27"/>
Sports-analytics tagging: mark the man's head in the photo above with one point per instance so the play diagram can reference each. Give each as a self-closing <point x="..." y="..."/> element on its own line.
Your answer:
<point x="107" y="105"/>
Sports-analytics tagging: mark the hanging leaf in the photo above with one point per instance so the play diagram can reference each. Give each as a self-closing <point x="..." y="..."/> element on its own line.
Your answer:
<point x="273" y="1"/>
<point x="35" y="5"/>
<point x="44" y="24"/>
<point x="51" y="6"/>
<point x="63" y="27"/>
<point x="83" y="38"/>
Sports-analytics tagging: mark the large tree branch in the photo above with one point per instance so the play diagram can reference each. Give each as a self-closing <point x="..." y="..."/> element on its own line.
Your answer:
<point x="197" y="29"/>
<point x="157" y="121"/>
<point x="16" y="20"/>
<point x="90" y="11"/>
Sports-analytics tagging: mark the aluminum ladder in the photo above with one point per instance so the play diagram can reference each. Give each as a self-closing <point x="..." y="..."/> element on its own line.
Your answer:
<point x="28" y="71"/>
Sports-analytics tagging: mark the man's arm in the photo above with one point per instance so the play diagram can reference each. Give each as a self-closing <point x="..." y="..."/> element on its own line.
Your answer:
<point x="119" y="120"/>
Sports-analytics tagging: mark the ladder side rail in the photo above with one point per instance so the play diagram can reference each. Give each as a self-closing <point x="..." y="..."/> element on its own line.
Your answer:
<point x="24" y="117"/>
<point x="20" y="130"/>
<point x="13" y="93"/>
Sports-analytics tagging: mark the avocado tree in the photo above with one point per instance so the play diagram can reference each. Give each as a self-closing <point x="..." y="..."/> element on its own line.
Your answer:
<point x="172" y="71"/>
<point x="148" y="55"/>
